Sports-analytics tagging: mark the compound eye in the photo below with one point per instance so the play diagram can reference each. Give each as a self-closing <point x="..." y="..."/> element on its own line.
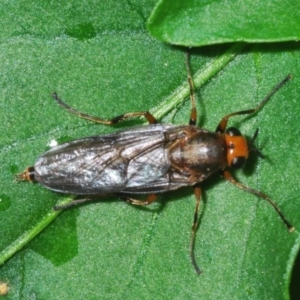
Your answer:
<point x="232" y="131"/>
<point x="238" y="162"/>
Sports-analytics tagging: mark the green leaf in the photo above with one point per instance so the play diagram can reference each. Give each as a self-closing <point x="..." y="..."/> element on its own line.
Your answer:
<point x="203" y="22"/>
<point x="111" y="250"/>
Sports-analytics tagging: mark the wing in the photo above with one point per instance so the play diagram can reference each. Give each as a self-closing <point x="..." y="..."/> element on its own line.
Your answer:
<point x="133" y="160"/>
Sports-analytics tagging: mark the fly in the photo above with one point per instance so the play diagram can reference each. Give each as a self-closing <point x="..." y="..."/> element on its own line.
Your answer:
<point x="148" y="160"/>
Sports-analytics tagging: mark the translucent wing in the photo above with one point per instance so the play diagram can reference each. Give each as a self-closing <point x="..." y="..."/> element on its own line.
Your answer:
<point x="132" y="161"/>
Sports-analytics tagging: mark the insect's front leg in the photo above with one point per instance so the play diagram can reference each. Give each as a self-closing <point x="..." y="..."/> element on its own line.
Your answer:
<point x="227" y="175"/>
<point x="223" y="123"/>
<point x="150" y="199"/>
<point x="112" y="121"/>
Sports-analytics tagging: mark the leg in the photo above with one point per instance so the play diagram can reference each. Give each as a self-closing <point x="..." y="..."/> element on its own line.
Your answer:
<point x="193" y="116"/>
<point x="227" y="175"/>
<point x="150" y="199"/>
<point x="73" y="203"/>
<point x="223" y="124"/>
<point x="197" y="191"/>
<point x="115" y="120"/>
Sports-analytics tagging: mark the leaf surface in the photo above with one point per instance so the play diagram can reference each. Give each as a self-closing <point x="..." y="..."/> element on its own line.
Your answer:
<point x="100" y="59"/>
<point x="198" y="22"/>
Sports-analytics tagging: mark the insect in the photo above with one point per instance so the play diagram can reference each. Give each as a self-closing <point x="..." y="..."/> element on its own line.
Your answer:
<point x="148" y="159"/>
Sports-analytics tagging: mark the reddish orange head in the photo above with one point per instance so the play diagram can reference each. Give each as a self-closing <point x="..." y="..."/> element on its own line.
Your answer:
<point x="237" y="148"/>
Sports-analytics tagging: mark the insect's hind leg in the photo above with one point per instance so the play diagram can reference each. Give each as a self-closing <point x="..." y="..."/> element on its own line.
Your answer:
<point x="150" y="199"/>
<point x="73" y="203"/>
<point x="112" y="121"/>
